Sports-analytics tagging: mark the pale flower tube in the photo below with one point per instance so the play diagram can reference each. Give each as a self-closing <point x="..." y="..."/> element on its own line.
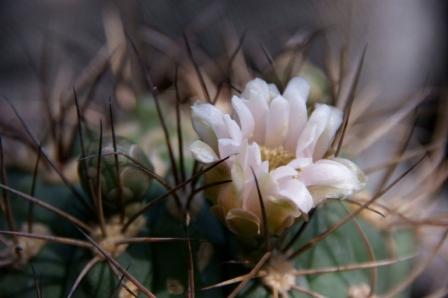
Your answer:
<point x="270" y="136"/>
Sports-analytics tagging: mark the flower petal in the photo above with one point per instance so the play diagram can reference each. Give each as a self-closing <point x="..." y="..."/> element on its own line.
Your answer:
<point x="245" y="117"/>
<point x="316" y="126"/>
<point x="232" y="130"/>
<point x="327" y="136"/>
<point x="332" y="178"/>
<point x="297" y="88"/>
<point x="207" y="120"/>
<point x="277" y="122"/>
<point x="296" y="93"/>
<point x="228" y="147"/>
<point x="283" y="172"/>
<point x="300" y="163"/>
<point x="243" y="223"/>
<point x="296" y="192"/>
<point x="257" y="94"/>
<point x="203" y="152"/>
<point x="273" y="91"/>
<point x="281" y="214"/>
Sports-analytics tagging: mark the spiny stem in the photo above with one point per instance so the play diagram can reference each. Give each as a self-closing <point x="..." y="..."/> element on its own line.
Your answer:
<point x="196" y="67"/>
<point x="79" y="124"/>
<point x="307" y="292"/>
<point x="178" y="126"/>
<point x="191" y="279"/>
<point x="36" y="282"/>
<point x="271" y="65"/>
<point x="141" y="167"/>
<point x="120" y="268"/>
<point x="6" y="202"/>
<point x="400" y="151"/>
<point x="229" y="66"/>
<point x="46" y="157"/>
<point x="139" y="240"/>
<point x="99" y="197"/>
<point x="117" y="165"/>
<point x="169" y="193"/>
<point x="299" y="231"/>
<point x="233" y="281"/>
<point x="47" y="206"/>
<point x="351" y="99"/>
<point x="370" y="252"/>
<point x="82" y="274"/>
<point x="252" y="274"/>
<point x="204" y="187"/>
<point x="63" y="240"/>
<point x="410" y="154"/>
<point x="418" y="270"/>
<point x="352" y="267"/>
<point x="32" y="191"/>
<point x="154" y="91"/>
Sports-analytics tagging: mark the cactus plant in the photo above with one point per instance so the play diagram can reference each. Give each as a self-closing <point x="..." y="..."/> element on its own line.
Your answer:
<point x="268" y="200"/>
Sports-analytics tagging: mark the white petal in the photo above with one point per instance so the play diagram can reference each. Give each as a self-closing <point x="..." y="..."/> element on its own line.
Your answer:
<point x="203" y="152"/>
<point x="257" y="89"/>
<point x="277" y="122"/>
<point x="257" y="94"/>
<point x="296" y="93"/>
<point x="273" y="91"/>
<point x="338" y="177"/>
<point x="283" y="172"/>
<point x="300" y="163"/>
<point x="245" y="117"/>
<point x="313" y="130"/>
<point x="232" y="130"/>
<point x="228" y="147"/>
<point x="295" y="190"/>
<point x="207" y="120"/>
<point x="297" y="88"/>
<point x="326" y="138"/>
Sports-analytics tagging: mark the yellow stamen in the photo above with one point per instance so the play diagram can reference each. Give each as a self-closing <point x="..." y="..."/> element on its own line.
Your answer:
<point x="276" y="156"/>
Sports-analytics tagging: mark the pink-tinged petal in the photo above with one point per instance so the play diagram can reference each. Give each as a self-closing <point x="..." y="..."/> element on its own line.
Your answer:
<point x="277" y="122"/>
<point x="332" y="178"/>
<point x="296" y="93"/>
<point x="295" y="191"/>
<point x="327" y="136"/>
<point x="228" y="147"/>
<point x="313" y="130"/>
<point x="254" y="155"/>
<point x="256" y="90"/>
<point x="203" y="152"/>
<point x="267" y="188"/>
<point x="297" y="88"/>
<point x="273" y="91"/>
<point x="257" y="94"/>
<point x="232" y="130"/>
<point x="300" y="163"/>
<point x="283" y="172"/>
<point x="245" y="117"/>
<point x="207" y="121"/>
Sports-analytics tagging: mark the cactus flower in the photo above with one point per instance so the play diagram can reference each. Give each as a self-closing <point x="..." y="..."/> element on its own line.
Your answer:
<point x="270" y="135"/>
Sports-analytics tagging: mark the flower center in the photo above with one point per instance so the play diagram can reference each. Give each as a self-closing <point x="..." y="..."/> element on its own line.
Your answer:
<point x="276" y="156"/>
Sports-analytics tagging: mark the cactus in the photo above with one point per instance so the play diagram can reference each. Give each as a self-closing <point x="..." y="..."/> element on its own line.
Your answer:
<point x="257" y="206"/>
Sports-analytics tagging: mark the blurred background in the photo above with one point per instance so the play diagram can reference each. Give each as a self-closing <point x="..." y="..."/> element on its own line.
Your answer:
<point x="51" y="42"/>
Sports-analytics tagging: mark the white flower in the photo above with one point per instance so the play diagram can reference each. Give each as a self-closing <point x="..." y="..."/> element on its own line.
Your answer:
<point x="271" y="135"/>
